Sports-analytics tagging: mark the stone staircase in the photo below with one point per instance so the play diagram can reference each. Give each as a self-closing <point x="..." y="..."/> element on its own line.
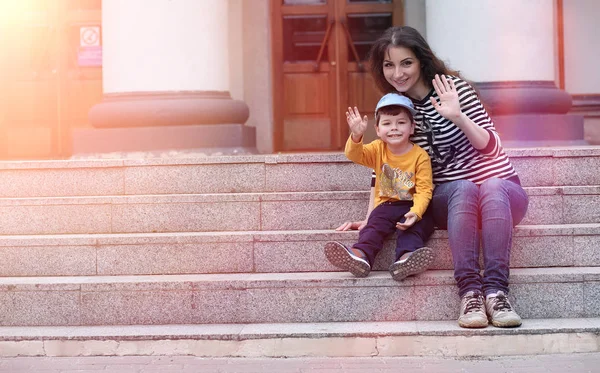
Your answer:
<point x="223" y="256"/>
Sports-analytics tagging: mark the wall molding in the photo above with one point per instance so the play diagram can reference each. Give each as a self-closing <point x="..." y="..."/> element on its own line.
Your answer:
<point x="586" y="103"/>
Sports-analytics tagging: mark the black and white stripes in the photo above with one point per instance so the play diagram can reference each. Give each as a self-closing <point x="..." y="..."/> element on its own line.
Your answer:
<point x="452" y="155"/>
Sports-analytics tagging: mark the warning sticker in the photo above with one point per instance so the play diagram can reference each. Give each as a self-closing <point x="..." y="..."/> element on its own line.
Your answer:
<point x="89" y="36"/>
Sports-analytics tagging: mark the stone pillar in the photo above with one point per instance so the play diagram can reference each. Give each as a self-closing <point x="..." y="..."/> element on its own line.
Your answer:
<point x="508" y="49"/>
<point x="582" y="53"/>
<point x="166" y="81"/>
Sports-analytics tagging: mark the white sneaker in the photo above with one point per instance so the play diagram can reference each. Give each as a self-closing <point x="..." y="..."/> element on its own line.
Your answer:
<point x="472" y="311"/>
<point x="500" y="312"/>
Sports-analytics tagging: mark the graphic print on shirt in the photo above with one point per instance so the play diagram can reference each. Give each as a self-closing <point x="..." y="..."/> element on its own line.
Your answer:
<point x="395" y="183"/>
<point x="438" y="159"/>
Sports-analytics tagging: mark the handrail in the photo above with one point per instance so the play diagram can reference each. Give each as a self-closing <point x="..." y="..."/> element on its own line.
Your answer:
<point x="323" y="44"/>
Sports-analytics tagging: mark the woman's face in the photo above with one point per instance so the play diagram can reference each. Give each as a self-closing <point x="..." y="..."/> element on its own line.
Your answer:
<point x="402" y="70"/>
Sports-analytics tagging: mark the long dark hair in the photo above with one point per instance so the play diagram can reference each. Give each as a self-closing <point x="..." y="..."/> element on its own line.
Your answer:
<point x="410" y="38"/>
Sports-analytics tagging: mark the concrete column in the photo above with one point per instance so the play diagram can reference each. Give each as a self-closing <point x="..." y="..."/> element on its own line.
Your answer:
<point x="508" y="48"/>
<point x="166" y="78"/>
<point x="582" y="53"/>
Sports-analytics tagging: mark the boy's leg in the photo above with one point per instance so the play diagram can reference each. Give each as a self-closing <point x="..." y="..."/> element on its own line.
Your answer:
<point x="414" y="237"/>
<point x="382" y="222"/>
<point x="358" y="259"/>
<point x="412" y="257"/>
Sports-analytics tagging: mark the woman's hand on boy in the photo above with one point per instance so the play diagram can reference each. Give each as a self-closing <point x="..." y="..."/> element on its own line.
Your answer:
<point x="352" y="225"/>
<point x="357" y="125"/>
<point x="410" y="219"/>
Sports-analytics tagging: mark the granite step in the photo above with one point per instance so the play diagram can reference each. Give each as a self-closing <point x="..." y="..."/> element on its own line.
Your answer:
<point x="575" y="245"/>
<point x="245" y="211"/>
<point x="561" y="292"/>
<point x="328" y="339"/>
<point x="553" y="166"/>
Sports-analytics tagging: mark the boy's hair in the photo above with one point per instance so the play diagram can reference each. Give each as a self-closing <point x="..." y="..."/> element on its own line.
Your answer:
<point x="392" y="110"/>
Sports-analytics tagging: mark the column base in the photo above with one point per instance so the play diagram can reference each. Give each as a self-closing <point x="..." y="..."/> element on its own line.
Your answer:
<point x="532" y="113"/>
<point x="540" y="129"/>
<point x="207" y="139"/>
<point x="149" y="109"/>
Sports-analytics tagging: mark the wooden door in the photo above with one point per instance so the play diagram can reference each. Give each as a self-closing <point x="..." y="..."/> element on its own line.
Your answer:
<point x="319" y="53"/>
<point x="47" y="88"/>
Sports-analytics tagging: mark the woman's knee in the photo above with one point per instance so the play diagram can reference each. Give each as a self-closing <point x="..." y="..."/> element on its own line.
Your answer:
<point x="493" y="185"/>
<point x="464" y="190"/>
<point x="463" y="197"/>
<point x="494" y="188"/>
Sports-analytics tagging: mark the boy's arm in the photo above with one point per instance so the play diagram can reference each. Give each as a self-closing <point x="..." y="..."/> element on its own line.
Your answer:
<point x="423" y="185"/>
<point x="357" y="152"/>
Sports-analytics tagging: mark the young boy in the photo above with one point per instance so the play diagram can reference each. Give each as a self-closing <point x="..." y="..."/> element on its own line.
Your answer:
<point x="403" y="189"/>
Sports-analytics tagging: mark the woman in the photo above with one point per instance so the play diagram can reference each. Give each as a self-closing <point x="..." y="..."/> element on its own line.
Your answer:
<point x="476" y="185"/>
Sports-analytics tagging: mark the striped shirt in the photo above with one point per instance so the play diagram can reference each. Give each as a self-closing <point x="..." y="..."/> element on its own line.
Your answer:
<point x="452" y="155"/>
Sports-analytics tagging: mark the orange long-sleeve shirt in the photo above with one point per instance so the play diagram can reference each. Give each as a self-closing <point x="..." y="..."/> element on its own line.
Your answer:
<point x="405" y="177"/>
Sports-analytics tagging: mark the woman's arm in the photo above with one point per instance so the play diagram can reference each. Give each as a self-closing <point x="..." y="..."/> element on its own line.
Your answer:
<point x="478" y="136"/>
<point x="449" y="108"/>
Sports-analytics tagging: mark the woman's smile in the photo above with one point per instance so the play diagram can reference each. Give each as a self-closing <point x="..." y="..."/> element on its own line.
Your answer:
<point x="402" y="70"/>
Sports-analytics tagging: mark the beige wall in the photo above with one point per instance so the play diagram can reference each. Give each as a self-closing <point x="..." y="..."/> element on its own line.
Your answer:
<point x="582" y="46"/>
<point x="490" y="41"/>
<point x="258" y="86"/>
<point x="414" y="15"/>
<point x="250" y="65"/>
<point x="582" y="53"/>
<point x="236" y="56"/>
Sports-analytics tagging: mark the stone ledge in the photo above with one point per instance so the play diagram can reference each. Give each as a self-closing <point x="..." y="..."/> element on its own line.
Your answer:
<point x="409" y="338"/>
<point x="256" y="236"/>
<point x="251" y="197"/>
<point x="191" y="157"/>
<point x="292" y="280"/>
<point x="259" y="252"/>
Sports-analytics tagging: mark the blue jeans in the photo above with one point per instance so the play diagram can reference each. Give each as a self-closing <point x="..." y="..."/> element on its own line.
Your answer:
<point x="495" y="206"/>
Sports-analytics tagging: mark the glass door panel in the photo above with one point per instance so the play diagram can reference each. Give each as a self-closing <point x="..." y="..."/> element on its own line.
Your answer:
<point x="303" y="36"/>
<point x="319" y="53"/>
<point x="304" y="2"/>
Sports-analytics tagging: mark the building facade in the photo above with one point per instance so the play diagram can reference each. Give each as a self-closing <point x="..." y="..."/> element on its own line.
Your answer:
<point x="92" y="76"/>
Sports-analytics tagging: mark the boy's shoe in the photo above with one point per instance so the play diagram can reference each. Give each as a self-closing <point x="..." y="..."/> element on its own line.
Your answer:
<point x="472" y="311"/>
<point x="500" y="311"/>
<point x="343" y="258"/>
<point x="412" y="263"/>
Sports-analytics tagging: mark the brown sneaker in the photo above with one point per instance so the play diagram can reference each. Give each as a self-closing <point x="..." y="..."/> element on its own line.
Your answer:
<point x="472" y="311"/>
<point x="500" y="312"/>
<point x="412" y="263"/>
<point x="343" y="258"/>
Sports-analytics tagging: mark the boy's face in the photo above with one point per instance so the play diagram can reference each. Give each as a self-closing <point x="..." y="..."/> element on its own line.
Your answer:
<point x="395" y="129"/>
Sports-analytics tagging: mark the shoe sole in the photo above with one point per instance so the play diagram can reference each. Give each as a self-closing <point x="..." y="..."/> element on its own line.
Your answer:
<point x="419" y="261"/>
<point x="509" y="324"/>
<point x="339" y="256"/>
<point x="480" y="325"/>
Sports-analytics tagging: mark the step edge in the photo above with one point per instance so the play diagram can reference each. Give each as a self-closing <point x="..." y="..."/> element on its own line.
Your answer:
<point x="295" y="330"/>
